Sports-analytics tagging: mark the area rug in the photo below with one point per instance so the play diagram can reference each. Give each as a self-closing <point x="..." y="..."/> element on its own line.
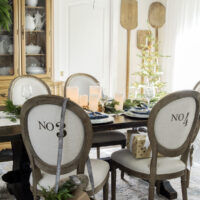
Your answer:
<point x="130" y="189"/>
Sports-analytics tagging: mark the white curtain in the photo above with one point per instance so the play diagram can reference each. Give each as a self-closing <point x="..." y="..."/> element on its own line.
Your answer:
<point x="181" y="41"/>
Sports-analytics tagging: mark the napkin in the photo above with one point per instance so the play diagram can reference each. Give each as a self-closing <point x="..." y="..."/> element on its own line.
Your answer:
<point x="97" y="115"/>
<point x="142" y="109"/>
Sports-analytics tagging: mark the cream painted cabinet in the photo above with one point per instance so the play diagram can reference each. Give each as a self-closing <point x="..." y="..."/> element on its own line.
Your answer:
<point x="27" y="48"/>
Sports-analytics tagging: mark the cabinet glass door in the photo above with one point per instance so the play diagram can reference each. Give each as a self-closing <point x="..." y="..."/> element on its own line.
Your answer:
<point x="34" y="37"/>
<point x="9" y="44"/>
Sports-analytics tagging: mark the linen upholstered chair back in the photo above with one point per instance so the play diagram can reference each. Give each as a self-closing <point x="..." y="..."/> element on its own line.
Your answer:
<point x="27" y="82"/>
<point x="82" y="81"/>
<point x="40" y="119"/>
<point x="173" y="123"/>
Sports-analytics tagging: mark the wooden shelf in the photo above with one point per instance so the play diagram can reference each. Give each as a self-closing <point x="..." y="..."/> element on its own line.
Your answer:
<point x="6" y="54"/>
<point x="35" y="7"/>
<point x="35" y="54"/>
<point x="36" y="31"/>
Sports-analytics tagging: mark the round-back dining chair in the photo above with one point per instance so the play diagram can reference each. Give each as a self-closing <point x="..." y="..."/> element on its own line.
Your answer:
<point x="104" y="138"/>
<point x="19" y="88"/>
<point x="172" y="125"/>
<point x="40" y="123"/>
<point x="25" y="87"/>
<point x="197" y="87"/>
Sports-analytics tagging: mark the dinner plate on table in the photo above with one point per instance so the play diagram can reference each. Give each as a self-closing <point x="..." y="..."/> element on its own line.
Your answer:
<point x="136" y="115"/>
<point x="100" y="118"/>
<point x="4" y="115"/>
<point x="102" y="121"/>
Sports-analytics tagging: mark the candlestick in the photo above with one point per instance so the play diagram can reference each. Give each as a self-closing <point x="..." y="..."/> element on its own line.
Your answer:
<point x="83" y="101"/>
<point x="119" y="98"/>
<point x="93" y="102"/>
<point x="95" y="90"/>
<point x="73" y="94"/>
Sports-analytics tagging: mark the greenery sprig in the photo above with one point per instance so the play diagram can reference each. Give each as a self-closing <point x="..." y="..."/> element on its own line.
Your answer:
<point x="10" y="108"/>
<point x="5" y="18"/>
<point x="64" y="192"/>
<point x="109" y="107"/>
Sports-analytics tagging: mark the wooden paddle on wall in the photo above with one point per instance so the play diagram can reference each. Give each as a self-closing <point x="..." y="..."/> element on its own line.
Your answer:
<point x="157" y="14"/>
<point x="128" y="20"/>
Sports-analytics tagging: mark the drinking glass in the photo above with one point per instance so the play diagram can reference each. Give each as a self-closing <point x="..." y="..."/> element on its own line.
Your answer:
<point x="26" y="91"/>
<point x="149" y="93"/>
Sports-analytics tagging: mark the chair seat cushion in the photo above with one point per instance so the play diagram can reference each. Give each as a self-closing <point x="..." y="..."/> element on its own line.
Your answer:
<point x="108" y="136"/>
<point x="100" y="171"/>
<point x="165" y="165"/>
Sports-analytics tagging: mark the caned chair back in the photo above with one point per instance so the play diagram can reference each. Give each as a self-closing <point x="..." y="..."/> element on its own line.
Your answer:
<point x="173" y="122"/>
<point x="40" y="121"/>
<point x="82" y="81"/>
<point x="37" y="86"/>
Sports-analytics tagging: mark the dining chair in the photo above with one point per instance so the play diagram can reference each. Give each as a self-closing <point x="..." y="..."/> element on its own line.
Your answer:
<point x="104" y="138"/>
<point x="172" y="125"/>
<point x="40" y="123"/>
<point x="37" y="87"/>
<point x="25" y="87"/>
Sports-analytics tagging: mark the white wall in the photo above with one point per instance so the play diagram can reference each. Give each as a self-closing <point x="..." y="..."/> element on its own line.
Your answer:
<point x="82" y="39"/>
<point x="112" y="74"/>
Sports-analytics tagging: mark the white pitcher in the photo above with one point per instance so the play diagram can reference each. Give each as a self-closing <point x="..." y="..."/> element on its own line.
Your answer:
<point x="30" y="23"/>
<point x="31" y="2"/>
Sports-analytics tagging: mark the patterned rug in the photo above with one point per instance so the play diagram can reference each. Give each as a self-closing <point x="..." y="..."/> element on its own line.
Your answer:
<point x="130" y="189"/>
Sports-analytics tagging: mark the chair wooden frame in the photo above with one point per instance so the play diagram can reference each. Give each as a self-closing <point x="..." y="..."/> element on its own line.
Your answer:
<point x="196" y="86"/>
<point x="79" y="74"/>
<point x="26" y="76"/>
<point x="10" y="98"/>
<point x="183" y="150"/>
<point x="36" y="163"/>
<point x="95" y="145"/>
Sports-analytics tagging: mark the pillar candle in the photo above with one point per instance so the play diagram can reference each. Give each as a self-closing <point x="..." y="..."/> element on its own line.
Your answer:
<point x="83" y="100"/>
<point x="95" y="90"/>
<point x="93" y="102"/>
<point x="73" y="94"/>
<point x="119" y="98"/>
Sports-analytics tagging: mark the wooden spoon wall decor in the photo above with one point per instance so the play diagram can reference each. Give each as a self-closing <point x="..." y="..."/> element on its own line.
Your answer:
<point x="128" y="20"/>
<point x="157" y="12"/>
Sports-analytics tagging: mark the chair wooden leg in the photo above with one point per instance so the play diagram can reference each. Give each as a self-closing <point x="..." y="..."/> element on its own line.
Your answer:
<point x="122" y="173"/>
<point x="113" y="183"/>
<point x="98" y="152"/>
<point x="188" y="178"/>
<point x="105" y="191"/>
<point x="184" y="186"/>
<point x="151" y="190"/>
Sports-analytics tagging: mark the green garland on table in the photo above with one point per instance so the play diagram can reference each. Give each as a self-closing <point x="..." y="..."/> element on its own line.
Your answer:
<point x="109" y="107"/>
<point x="12" y="109"/>
<point x="137" y="103"/>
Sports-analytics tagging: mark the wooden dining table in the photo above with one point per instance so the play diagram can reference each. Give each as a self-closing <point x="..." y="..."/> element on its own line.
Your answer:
<point x="11" y="131"/>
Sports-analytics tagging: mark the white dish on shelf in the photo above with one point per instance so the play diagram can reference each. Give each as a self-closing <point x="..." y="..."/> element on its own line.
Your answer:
<point x="102" y="121"/>
<point x="33" y="49"/>
<point x="31" y="3"/>
<point x="32" y="61"/>
<point x="34" y="69"/>
<point x="5" y="70"/>
<point x="136" y="115"/>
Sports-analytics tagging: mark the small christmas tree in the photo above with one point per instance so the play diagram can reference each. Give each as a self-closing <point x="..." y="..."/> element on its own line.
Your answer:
<point x="150" y="70"/>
